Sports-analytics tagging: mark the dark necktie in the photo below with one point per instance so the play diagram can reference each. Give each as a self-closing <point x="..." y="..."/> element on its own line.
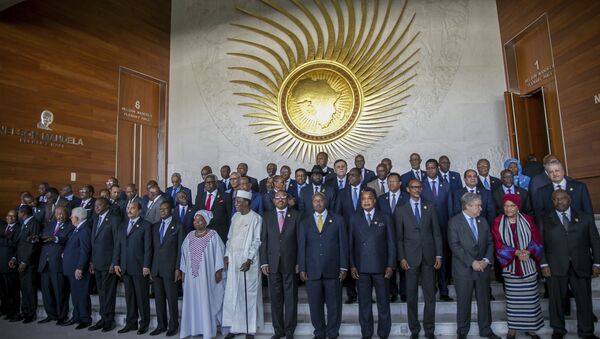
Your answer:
<point x="100" y="219"/>
<point x="474" y="228"/>
<point x="565" y="221"/>
<point x="394" y="201"/>
<point x="446" y="178"/>
<point x="341" y="185"/>
<point x="162" y="231"/>
<point x="58" y="224"/>
<point x="182" y="213"/>
<point x="433" y="189"/>
<point x="369" y="218"/>
<point x="417" y="214"/>
<point x="382" y="187"/>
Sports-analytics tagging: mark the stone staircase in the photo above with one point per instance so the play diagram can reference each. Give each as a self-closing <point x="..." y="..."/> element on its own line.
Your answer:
<point x="445" y="313"/>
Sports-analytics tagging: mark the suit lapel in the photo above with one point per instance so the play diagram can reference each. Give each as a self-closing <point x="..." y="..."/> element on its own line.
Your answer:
<point x="135" y="226"/>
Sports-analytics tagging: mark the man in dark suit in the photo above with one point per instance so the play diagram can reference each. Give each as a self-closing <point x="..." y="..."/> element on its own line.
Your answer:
<point x="110" y="182"/>
<point x="117" y="204"/>
<point x="488" y="206"/>
<point x="132" y="262"/>
<point x="321" y="160"/>
<point x="387" y="204"/>
<point x="296" y="187"/>
<point x="76" y="260"/>
<point x="372" y="247"/>
<point x="256" y="204"/>
<point x="470" y="240"/>
<point x="285" y="171"/>
<point x="132" y="196"/>
<point x="323" y="264"/>
<point x="224" y="183"/>
<point x="155" y="199"/>
<point x="184" y="213"/>
<point x="366" y="174"/>
<point x="540" y="180"/>
<point x="580" y="197"/>
<point x="86" y="195"/>
<point x="271" y="171"/>
<point x="176" y="188"/>
<point x="508" y="187"/>
<point x="206" y="170"/>
<point x="379" y="184"/>
<point x="532" y="167"/>
<point x="54" y="288"/>
<point x="420" y="251"/>
<point x="268" y="197"/>
<point x="242" y="169"/>
<point x="484" y="179"/>
<point x="415" y="170"/>
<point x="348" y="203"/>
<point x="278" y="261"/>
<point x="26" y="264"/>
<point x="42" y="189"/>
<point x="53" y="200"/>
<point x="438" y="192"/>
<point x="105" y="235"/>
<point x="67" y="193"/>
<point x="167" y="237"/>
<point x="340" y="179"/>
<point x="316" y="185"/>
<point x="38" y="209"/>
<point x="571" y="257"/>
<point x="218" y="203"/>
<point x="10" y="297"/>
<point x="450" y="177"/>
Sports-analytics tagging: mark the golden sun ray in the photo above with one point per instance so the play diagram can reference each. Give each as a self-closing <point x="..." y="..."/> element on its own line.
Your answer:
<point x="339" y="87"/>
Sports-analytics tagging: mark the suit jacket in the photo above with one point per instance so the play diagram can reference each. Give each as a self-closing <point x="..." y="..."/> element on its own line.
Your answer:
<point x="221" y="185"/>
<point x="167" y="254"/>
<point x="169" y="193"/>
<point x="39" y="213"/>
<point x="465" y="249"/>
<point x="537" y="182"/>
<point x="268" y="204"/>
<point x="443" y="202"/>
<point x="580" y="246"/>
<point x="454" y="180"/>
<point x="376" y="185"/>
<point x="345" y="205"/>
<point x="418" y="243"/>
<point x="384" y="202"/>
<point x="322" y="255"/>
<point x="525" y="201"/>
<point x="306" y="194"/>
<point x="293" y="190"/>
<point x="262" y="186"/>
<point x="533" y="168"/>
<point x="135" y="249"/>
<point x="78" y="249"/>
<point x="488" y="207"/>
<point x="408" y="176"/>
<point x="188" y="218"/>
<point x="8" y="245"/>
<point x="368" y="176"/>
<point x="221" y="210"/>
<point x="254" y="182"/>
<point x="89" y="207"/>
<point x="51" y="253"/>
<point x="278" y="249"/>
<point x="372" y="246"/>
<point x="27" y="250"/>
<point x="49" y="208"/>
<point x="494" y="183"/>
<point x="74" y="202"/>
<point x="119" y="207"/>
<point x="580" y="198"/>
<point x="153" y="212"/>
<point x="105" y="242"/>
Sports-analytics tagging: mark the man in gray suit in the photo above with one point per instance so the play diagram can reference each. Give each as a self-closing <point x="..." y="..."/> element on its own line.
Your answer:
<point x="154" y="201"/>
<point x="278" y="261"/>
<point x="420" y="253"/>
<point x="470" y="240"/>
<point x="571" y="257"/>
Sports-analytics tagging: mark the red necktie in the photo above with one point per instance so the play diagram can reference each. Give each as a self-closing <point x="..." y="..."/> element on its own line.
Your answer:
<point x="207" y="205"/>
<point x="281" y="220"/>
<point x="57" y="228"/>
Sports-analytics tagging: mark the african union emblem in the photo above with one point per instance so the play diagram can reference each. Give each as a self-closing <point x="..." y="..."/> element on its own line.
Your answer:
<point x="337" y="93"/>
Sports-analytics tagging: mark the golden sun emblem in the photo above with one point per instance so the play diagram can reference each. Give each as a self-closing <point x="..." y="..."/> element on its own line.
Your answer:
<point x="337" y="93"/>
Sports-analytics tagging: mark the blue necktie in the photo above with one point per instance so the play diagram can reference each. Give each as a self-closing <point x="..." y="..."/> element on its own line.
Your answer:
<point x="341" y="184"/>
<point x="433" y="189"/>
<point x="182" y="214"/>
<point x="354" y="197"/>
<point x="474" y="228"/>
<point x="174" y="193"/>
<point x="486" y="184"/>
<point x="417" y="214"/>
<point x="99" y="224"/>
<point x="162" y="231"/>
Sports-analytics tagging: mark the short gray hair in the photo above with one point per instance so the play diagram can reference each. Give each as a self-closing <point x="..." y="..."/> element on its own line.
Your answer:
<point x="176" y="175"/>
<point x="468" y="198"/>
<point x="554" y="162"/>
<point x="80" y="213"/>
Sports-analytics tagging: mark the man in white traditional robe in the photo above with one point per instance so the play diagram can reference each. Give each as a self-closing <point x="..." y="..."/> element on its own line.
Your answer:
<point x="202" y="255"/>
<point x="242" y="305"/>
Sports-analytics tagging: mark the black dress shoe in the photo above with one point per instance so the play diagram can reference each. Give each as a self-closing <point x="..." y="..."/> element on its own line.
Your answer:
<point x="403" y="298"/>
<point x="97" y="326"/>
<point x="82" y="325"/>
<point x="108" y="327"/>
<point x="46" y="320"/>
<point x="430" y="336"/>
<point x="62" y="322"/>
<point x="394" y="298"/>
<point x="445" y="298"/>
<point x="276" y="336"/>
<point x="142" y="331"/>
<point x="249" y="336"/>
<point x="28" y="320"/>
<point x="126" y="329"/>
<point x="591" y="336"/>
<point x="532" y="335"/>
<point x="350" y="300"/>
<point x="414" y="336"/>
<point x="491" y="336"/>
<point x="462" y="336"/>
<point x="68" y="322"/>
<point x="157" y="331"/>
<point x="289" y="337"/>
<point x="365" y="337"/>
<point x="230" y="336"/>
<point x="171" y="333"/>
<point x="17" y="317"/>
<point x="556" y="335"/>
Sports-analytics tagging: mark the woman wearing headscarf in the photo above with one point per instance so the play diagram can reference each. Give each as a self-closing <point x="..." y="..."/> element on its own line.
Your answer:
<point x="202" y="265"/>
<point x="518" y="248"/>
<point x="520" y="179"/>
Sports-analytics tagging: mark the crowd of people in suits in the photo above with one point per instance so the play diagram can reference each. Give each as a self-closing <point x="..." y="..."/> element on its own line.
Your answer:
<point x="329" y="228"/>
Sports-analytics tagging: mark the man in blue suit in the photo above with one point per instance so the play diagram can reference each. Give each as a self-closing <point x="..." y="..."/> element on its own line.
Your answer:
<point x="540" y="180"/>
<point x="348" y="204"/>
<point x="297" y="185"/>
<point x="366" y="175"/>
<point x="437" y="192"/>
<point x="54" y="290"/>
<point x="278" y="185"/>
<point x="387" y="204"/>
<point x="580" y="197"/>
<point x="484" y="179"/>
<point x="323" y="264"/>
<point x="257" y="200"/>
<point x="316" y="185"/>
<point x="415" y="170"/>
<point x="76" y="260"/>
<point x="450" y="177"/>
<point x="372" y="258"/>
<point x="177" y="187"/>
<point x="184" y="213"/>
<point x="488" y="207"/>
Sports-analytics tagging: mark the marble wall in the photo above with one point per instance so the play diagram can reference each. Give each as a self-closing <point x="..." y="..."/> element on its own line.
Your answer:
<point x="456" y="105"/>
